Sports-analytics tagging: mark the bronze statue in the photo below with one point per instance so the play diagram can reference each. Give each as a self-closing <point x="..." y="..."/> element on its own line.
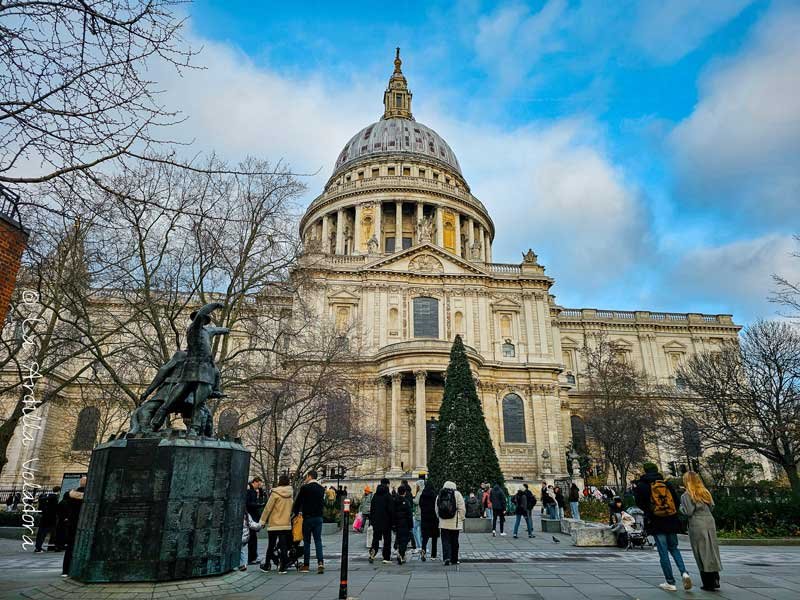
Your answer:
<point x="186" y="382"/>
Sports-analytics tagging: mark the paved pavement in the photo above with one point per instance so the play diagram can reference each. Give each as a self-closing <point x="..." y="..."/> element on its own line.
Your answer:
<point x="500" y="567"/>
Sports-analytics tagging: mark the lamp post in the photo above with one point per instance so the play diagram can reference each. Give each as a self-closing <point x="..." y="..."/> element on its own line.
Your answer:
<point x="345" y="548"/>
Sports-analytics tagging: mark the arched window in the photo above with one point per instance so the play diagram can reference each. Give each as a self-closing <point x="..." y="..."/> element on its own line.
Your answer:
<point x="426" y="317"/>
<point x="342" y="319"/>
<point x="578" y="433"/>
<point x="228" y="422"/>
<point x="505" y="326"/>
<point x="458" y="322"/>
<point x="337" y="415"/>
<point x="513" y="419"/>
<point x="86" y="430"/>
<point x="394" y="320"/>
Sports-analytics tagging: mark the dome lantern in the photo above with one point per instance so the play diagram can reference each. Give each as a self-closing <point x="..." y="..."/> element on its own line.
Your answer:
<point x="397" y="98"/>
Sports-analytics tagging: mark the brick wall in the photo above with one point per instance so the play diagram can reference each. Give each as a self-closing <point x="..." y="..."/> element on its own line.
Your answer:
<point x="12" y="244"/>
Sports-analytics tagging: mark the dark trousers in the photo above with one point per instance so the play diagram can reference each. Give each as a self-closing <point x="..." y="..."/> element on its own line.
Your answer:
<point x="382" y="537"/>
<point x="41" y="535"/>
<point x="710" y="579"/>
<point x="403" y="536"/>
<point x="252" y="547"/>
<point x="312" y="526"/>
<point x="278" y="543"/>
<point x="434" y="542"/>
<point x="496" y="514"/>
<point x="449" y="544"/>
<point x="69" y="543"/>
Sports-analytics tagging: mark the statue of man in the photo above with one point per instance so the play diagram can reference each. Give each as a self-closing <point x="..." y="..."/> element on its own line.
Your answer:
<point x="198" y="373"/>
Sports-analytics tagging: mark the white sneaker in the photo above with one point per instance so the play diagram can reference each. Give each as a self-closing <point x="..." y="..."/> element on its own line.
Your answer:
<point x="668" y="587"/>
<point x="503" y="534"/>
<point x="494" y="534"/>
<point x="687" y="581"/>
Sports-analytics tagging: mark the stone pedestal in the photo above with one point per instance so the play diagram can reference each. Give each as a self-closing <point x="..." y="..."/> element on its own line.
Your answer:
<point x="158" y="509"/>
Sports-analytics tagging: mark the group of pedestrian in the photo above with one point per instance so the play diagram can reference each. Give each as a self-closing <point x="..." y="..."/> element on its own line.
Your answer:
<point x="659" y="500"/>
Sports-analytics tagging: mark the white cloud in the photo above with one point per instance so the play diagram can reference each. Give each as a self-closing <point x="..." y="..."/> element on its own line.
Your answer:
<point x="667" y="31"/>
<point x="740" y="148"/>
<point x="735" y="277"/>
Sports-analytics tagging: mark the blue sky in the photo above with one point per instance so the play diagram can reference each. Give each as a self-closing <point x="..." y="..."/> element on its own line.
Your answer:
<point x="649" y="152"/>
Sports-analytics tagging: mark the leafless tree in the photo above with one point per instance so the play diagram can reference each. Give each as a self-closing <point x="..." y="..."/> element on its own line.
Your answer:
<point x="74" y="88"/>
<point x="787" y="292"/>
<point x="746" y="396"/>
<point x="623" y="408"/>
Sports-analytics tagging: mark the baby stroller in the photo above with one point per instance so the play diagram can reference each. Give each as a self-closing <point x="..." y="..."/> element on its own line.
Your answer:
<point x="637" y="538"/>
<point x="294" y="555"/>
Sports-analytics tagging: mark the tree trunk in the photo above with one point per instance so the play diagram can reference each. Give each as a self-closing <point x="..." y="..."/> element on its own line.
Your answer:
<point x="7" y="430"/>
<point x="792" y="475"/>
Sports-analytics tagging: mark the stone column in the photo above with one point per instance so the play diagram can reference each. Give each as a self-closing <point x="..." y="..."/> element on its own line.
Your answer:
<point x="458" y="234"/>
<point x="398" y="227"/>
<point x="357" y="231"/>
<point x="439" y="227"/>
<point x="488" y="248"/>
<point x="380" y="416"/>
<point x="421" y="450"/>
<point x="340" y="231"/>
<point x="378" y="225"/>
<point x="483" y="245"/>
<point x="470" y="235"/>
<point x="420" y="211"/>
<point x="397" y="379"/>
<point x="326" y="232"/>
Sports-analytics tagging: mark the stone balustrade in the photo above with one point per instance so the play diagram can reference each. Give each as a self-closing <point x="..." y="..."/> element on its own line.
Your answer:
<point x="591" y="314"/>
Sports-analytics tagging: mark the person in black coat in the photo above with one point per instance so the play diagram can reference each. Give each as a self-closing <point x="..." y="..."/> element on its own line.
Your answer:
<point x="520" y="501"/>
<point x="531" y="501"/>
<point x="309" y="503"/>
<point x="255" y="501"/>
<point x="70" y="511"/>
<point x="664" y="527"/>
<point x="403" y="522"/>
<point x="48" y="505"/>
<point x="560" y="502"/>
<point x="429" y="522"/>
<point x="381" y="515"/>
<point x="498" y="499"/>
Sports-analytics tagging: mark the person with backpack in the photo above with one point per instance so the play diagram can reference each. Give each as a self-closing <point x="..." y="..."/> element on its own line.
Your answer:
<point x="403" y="522"/>
<point x="521" y="511"/>
<point x="497" y="498"/>
<point x="451" y="510"/>
<point x="382" y="518"/>
<point x="659" y="501"/>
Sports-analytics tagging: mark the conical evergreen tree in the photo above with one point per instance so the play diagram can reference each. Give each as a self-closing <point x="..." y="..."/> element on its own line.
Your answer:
<point x="462" y="449"/>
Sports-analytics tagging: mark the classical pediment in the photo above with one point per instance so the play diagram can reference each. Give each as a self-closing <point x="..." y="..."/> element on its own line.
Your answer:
<point x="674" y="346"/>
<point x="425" y="259"/>
<point x="506" y="304"/>
<point x="343" y="296"/>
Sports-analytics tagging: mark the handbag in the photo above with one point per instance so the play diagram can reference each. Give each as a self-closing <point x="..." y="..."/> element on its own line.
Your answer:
<point x="357" y="523"/>
<point x="297" y="529"/>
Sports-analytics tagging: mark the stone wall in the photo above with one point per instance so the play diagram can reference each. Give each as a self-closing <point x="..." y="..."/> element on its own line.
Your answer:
<point x="12" y="243"/>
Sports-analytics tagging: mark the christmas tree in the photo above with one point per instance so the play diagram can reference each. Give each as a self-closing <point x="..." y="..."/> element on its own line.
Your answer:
<point x="462" y="449"/>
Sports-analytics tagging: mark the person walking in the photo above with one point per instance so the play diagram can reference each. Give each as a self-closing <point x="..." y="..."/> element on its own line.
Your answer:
<point x="366" y="503"/>
<point x="697" y="504"/>
<point x="70" y="511"/>
<point x="451" y="510"/>
<point x="659" y="501"/>
<point x="277" y="516"/>
<point x="416" y="531"/>
<point x="254" y="505"/>
<point x="429" y="522"/>
<point x="402" y="521"/>
<point x="574" y="498"/>
<point x="48" y="506"/>
<point x="486" y="501"/>
<point x="531" y="500"/>
<point x="521" y="511"/>
<point x="497" y="498"/>
<point x="560" y="502"/>
<point x="309" y="503"/>
<point x="382" y="518"/>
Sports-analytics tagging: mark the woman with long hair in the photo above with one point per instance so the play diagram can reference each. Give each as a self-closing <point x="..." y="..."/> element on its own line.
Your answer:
<point x="696" y="503"/>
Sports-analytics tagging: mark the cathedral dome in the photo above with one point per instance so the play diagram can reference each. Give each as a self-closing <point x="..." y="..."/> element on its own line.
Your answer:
<point x="397" y="134"/>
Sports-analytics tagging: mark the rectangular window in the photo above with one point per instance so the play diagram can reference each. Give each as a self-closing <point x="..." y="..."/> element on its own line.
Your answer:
<point x="390" y="170"/>
<point x="422" y="172"/>
<point x="426" y="317"/>
<point x="375" y="171"/>
<point x="361" y="174"/>
<point x="389" y="244"/>
<point x="407" y="171"/>
<point x="435" y="175"/>
<point x="406" y="243"/>
<point x="398" y="100"/>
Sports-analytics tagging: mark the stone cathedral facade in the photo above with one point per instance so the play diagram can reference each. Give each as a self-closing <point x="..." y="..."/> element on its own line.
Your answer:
<point x="401" y="250"/>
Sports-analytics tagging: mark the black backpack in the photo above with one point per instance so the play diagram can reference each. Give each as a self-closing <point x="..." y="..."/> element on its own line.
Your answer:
<point x="446" y="504"/>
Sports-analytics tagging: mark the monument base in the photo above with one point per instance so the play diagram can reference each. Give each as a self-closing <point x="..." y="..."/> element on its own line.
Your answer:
<point x="161" y="508"/>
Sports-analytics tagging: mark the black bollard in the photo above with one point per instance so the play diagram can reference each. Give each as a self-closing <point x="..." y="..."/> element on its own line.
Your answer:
<point x="345" y="528"/>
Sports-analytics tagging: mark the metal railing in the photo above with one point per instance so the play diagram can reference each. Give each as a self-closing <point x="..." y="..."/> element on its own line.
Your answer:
<point x="9" y="205"/>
